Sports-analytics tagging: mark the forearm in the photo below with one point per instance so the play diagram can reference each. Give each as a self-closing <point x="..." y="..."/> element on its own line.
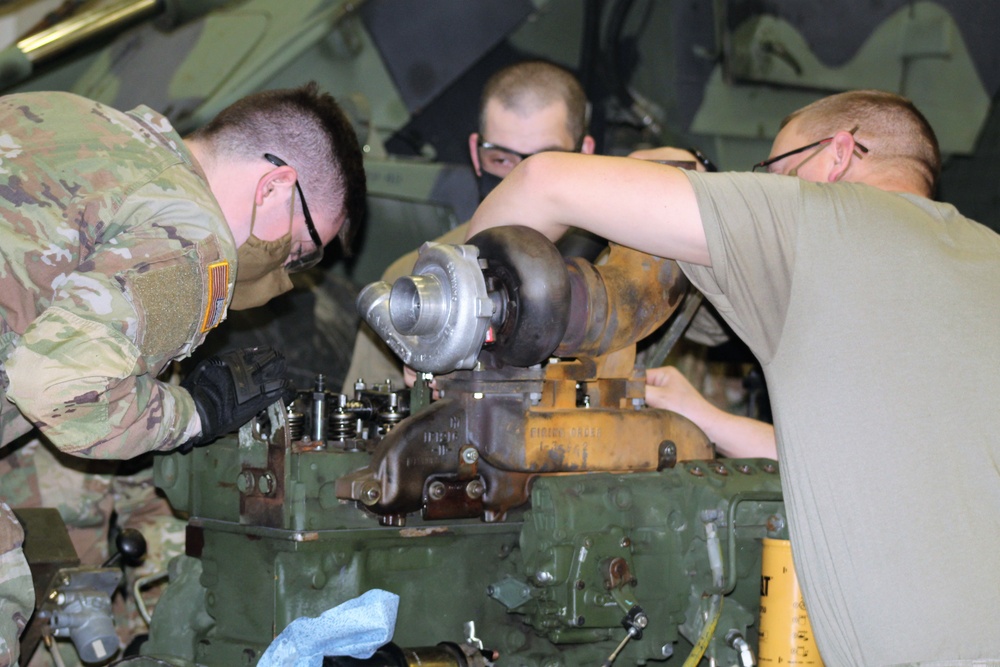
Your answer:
<point x="120" y="419"/>
<point x="527" y="196"/>
<point x="741" y="437"/>
<point x="145" y="414"/>
<point x="82" y="384"/>
<point x="733" y="435"/>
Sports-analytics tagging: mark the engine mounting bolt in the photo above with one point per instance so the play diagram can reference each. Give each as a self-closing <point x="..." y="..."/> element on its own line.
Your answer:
<point x="667" y="455"/>
<point x="371" y="493"/>
<point x="475" y="489"/>
<point x="266" y="483"/>
<point x="245" y="482"/>
<point x="436" y="490"/>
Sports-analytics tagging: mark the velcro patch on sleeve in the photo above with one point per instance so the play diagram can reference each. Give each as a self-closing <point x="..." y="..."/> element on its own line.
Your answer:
<point x="217" y="287"/>
<point x="169" y="298"/>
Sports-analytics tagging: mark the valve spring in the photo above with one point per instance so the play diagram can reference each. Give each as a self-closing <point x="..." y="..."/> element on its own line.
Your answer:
<point x="392" y="414"/>
<point x="296" y="424"/>
<point x="341" y="425"/>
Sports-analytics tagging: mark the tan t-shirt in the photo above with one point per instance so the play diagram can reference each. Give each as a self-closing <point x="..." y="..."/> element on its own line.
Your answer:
<point x="876" y="317"/>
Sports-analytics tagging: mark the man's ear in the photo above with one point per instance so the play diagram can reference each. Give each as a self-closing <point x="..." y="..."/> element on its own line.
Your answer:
<point x="588" y="145"/>
<point x="474" y="153"/>
<point x="843" y="152"/>
<point x="277" y="181"/>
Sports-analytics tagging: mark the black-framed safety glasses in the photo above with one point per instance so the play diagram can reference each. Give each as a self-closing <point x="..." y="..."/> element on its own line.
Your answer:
<point x="500" y="160"/>
<point x="821" y="144"/>
<point x="301" y="256"/>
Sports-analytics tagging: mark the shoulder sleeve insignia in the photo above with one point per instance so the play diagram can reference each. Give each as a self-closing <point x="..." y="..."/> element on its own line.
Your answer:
<point x="218" y="291"/>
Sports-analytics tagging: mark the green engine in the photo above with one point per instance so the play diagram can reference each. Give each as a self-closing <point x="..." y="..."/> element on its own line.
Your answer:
<point x="557" y="582"/>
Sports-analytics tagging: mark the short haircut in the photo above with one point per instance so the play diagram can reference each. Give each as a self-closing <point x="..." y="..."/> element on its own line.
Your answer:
<point x="309" y="131"/>
<point x="896" y="134"/>
<point x="535" y="84"/>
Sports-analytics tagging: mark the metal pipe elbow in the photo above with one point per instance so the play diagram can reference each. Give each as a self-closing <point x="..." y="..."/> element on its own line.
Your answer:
<point x="619" y="302"/>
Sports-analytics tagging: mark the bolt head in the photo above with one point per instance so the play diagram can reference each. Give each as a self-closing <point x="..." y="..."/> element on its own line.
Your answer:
<point x="371" y="493"/>
<point x="475" y="489"/>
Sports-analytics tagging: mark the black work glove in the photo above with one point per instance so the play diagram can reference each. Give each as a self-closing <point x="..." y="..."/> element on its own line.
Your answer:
<point x="229" y="389"/>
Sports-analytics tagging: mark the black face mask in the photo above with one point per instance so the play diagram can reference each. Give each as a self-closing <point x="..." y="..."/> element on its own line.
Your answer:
<point x="486" y="182"/>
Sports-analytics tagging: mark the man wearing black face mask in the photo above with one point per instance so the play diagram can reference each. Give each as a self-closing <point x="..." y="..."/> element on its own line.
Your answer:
<point x="526" y="108"/>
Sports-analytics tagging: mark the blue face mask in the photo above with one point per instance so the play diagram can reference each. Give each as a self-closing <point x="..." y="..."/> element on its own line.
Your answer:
<point x="486" y="182"/>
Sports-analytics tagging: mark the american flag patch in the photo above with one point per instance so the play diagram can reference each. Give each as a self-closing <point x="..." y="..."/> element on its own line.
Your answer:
<point x="218" y="291"/>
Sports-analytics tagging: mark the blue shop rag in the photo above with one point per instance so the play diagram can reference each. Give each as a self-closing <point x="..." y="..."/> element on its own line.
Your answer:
<point x="356" y="628"/>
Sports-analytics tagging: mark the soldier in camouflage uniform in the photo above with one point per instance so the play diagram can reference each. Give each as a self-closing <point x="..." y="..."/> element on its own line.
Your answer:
<point x="123" y="245"/>
<point x="17" y="595"/>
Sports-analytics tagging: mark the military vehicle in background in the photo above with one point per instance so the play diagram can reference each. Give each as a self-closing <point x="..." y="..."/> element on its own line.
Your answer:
<point x="719" y="75"/>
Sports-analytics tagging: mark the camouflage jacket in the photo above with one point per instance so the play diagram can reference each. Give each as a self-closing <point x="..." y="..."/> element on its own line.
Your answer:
<point x="116" y="259"/>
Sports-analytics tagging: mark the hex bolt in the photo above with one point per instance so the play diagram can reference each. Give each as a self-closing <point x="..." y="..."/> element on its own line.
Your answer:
<point x="266" y="483"/>
<point x="475" y="489"/>
<point x="470" y="455"/>
<point x="370" y="493"/>
<point x="667" y="455"/>
<point x="245" y="482"/>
